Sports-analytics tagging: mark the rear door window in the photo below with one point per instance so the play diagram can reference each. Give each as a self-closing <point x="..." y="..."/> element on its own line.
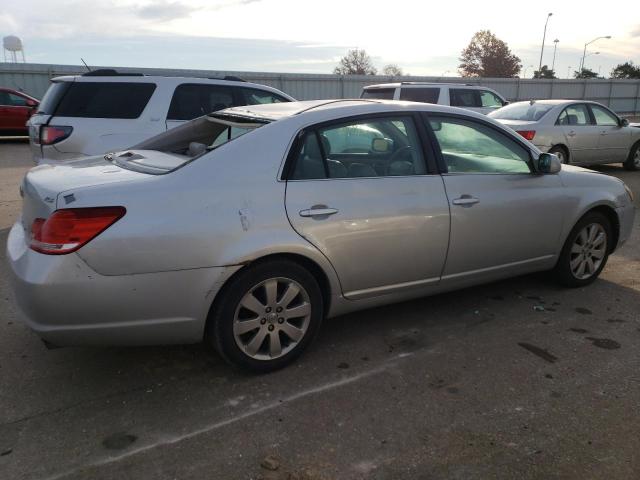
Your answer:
<point x="464" y="97"/>
<point x="254" y="96"/>
<point x="125" y="100"/>
<point x="194" y="100"/>
<point x="575" y="115"/>
<point x="425" y="95"/>
<point x="378" y="93"/>
<point x="11" y="100"/>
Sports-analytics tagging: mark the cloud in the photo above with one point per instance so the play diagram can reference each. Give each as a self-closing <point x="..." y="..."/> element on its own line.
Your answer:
<point x="165" y="11"/>
<point x="635" y="32"/>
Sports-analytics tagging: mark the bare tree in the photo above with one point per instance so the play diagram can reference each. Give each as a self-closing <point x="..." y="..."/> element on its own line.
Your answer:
<point x="488" y="56"/>
<point x="392" y="70"/>
<point x="355" y="62"/>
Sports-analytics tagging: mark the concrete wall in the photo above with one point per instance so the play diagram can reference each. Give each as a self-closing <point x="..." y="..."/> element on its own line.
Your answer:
<point x="623" y="96"/>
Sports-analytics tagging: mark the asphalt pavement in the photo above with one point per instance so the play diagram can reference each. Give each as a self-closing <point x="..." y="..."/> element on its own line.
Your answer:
<point x="519" y="379"/>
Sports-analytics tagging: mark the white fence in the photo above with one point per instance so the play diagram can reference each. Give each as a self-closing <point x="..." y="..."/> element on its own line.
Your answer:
<point x="623" y="96"/>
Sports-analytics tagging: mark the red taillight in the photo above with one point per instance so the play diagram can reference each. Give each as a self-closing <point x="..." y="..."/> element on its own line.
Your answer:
<point x="67" y="230"/>
<point x="50" y="135"/>
<point x="528" y="134"/>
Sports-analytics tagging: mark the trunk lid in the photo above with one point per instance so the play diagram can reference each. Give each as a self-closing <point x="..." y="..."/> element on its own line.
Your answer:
<point x="43" y="184"/>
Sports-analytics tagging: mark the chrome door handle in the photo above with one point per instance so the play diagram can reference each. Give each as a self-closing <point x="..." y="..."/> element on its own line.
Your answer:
<point x="317" y="212"/>
<point x="466" y="201"/>
<point x="603" y="133"/>
<point x="571" y="133"/>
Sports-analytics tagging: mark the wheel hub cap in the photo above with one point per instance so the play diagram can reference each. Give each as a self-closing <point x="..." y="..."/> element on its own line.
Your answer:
<point x="588" y="251"/>
<point x="272" y="318"/>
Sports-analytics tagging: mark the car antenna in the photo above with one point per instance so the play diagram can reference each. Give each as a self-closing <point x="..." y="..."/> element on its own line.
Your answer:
<point x="85" y="63"/>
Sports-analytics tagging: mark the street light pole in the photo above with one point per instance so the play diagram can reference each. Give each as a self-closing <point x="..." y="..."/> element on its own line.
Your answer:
<point x="584" y="52"/>
<point x="544" y="35"/>
<point x="555" y="47"/>
<point x="568" y="70"/>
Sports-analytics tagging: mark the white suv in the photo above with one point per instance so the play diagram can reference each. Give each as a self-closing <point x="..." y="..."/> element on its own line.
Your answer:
<point x="472" y="97"/>
<point x="104" y="110"/>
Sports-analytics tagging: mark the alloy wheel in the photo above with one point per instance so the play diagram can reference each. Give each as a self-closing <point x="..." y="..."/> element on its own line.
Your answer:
<point x="272" y="318"/>
<point x="588" y="251"/>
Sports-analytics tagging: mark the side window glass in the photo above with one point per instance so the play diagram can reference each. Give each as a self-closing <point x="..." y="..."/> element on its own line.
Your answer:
<point x="574" y="115"/>
<point x="4" y="98"/>
<point x="194" y="100"/>
<point x="604" y="117"/>
<point x="488" y="99"/>
<point x="471" y="147"/>
<point x="425" y="95"/>
<point x="464" y="97"/>
<point x="309" y="162"/>
<point x="367" y="148"/>
<point x="17" y="101"/>
<point x="254" y="96"/>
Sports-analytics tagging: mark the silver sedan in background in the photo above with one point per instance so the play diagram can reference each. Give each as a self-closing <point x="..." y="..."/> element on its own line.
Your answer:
<point x="577" y="131"/>
<point x="246" y="227"/>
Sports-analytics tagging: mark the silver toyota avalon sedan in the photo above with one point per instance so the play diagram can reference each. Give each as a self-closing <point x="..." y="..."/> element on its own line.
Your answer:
<point x="246" y="227"/>
<point x="576" y="131"/>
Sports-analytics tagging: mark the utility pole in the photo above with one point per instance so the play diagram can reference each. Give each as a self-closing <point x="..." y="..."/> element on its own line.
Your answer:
<point x="544" y="35"/>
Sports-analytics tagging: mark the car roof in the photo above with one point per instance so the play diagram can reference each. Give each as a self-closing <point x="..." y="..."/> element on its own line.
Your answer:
<point x="420" y="84"/>
<point x="557" y="101"/>
<point x="138" y="78"/>
<point x="18" y="92"/>
<point x="345" y="107"/>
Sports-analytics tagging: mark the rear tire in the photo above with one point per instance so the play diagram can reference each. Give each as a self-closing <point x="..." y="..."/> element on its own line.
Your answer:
<point x="633" y="161"/>
<point x="561" y="152"/>
<point x="585" y="251"/>
<point x="267" y="315"/>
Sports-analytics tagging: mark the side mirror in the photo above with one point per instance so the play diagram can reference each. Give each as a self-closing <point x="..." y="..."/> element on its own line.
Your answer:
<point x="548" y="163"/>
<point x="32" y="103"/>
<point x="506" y="102"/>
<point x="380" y="145"/>
<point x="624" y="122"/>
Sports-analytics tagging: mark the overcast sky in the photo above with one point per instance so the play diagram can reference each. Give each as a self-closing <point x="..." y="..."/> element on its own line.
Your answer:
<point x="424" y="38"/>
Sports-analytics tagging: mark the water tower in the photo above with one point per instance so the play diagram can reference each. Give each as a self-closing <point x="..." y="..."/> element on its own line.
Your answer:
<point x="12" y="47"/>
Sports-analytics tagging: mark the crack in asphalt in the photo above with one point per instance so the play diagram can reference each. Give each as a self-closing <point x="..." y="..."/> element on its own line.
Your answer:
<point x="238" y="418"/>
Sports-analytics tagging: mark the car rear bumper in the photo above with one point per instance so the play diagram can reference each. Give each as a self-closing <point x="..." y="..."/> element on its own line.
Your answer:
<point x="68" y="303"/>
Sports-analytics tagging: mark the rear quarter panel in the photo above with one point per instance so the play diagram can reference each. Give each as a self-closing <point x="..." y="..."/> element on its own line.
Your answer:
<point x="226" y="208"/>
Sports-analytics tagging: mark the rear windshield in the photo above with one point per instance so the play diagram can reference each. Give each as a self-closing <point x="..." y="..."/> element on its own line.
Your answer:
<point x="378" y="93"/>
<point x="525" y="111"/>
<point x="185" y="143"/>
<point x="124" y="100"/>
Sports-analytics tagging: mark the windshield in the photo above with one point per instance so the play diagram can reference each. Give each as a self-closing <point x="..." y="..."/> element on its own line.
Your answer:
<point x="525" y="111"/>
<point x="181" y="145"/>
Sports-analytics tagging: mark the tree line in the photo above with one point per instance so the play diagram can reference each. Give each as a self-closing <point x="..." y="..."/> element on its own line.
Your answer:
<point x="485" y="56"/>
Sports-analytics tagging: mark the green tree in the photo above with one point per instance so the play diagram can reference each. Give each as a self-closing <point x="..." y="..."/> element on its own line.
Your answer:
<point x="544" y="72"/>
<point x="355" y="62"/>
<point x="488" y="56"/>
<point x="626" y="70"/>
<point x="585" y="73"/>
<point x="392" y="70"/>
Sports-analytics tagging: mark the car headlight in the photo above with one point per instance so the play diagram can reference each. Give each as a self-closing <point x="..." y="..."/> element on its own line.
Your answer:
<point x="629" y="192"/>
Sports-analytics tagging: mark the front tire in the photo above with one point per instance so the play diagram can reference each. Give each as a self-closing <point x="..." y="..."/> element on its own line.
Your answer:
<point x="585" y="251"/>
<point x="267" y="316"/>
<point x="633" y="161"/>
